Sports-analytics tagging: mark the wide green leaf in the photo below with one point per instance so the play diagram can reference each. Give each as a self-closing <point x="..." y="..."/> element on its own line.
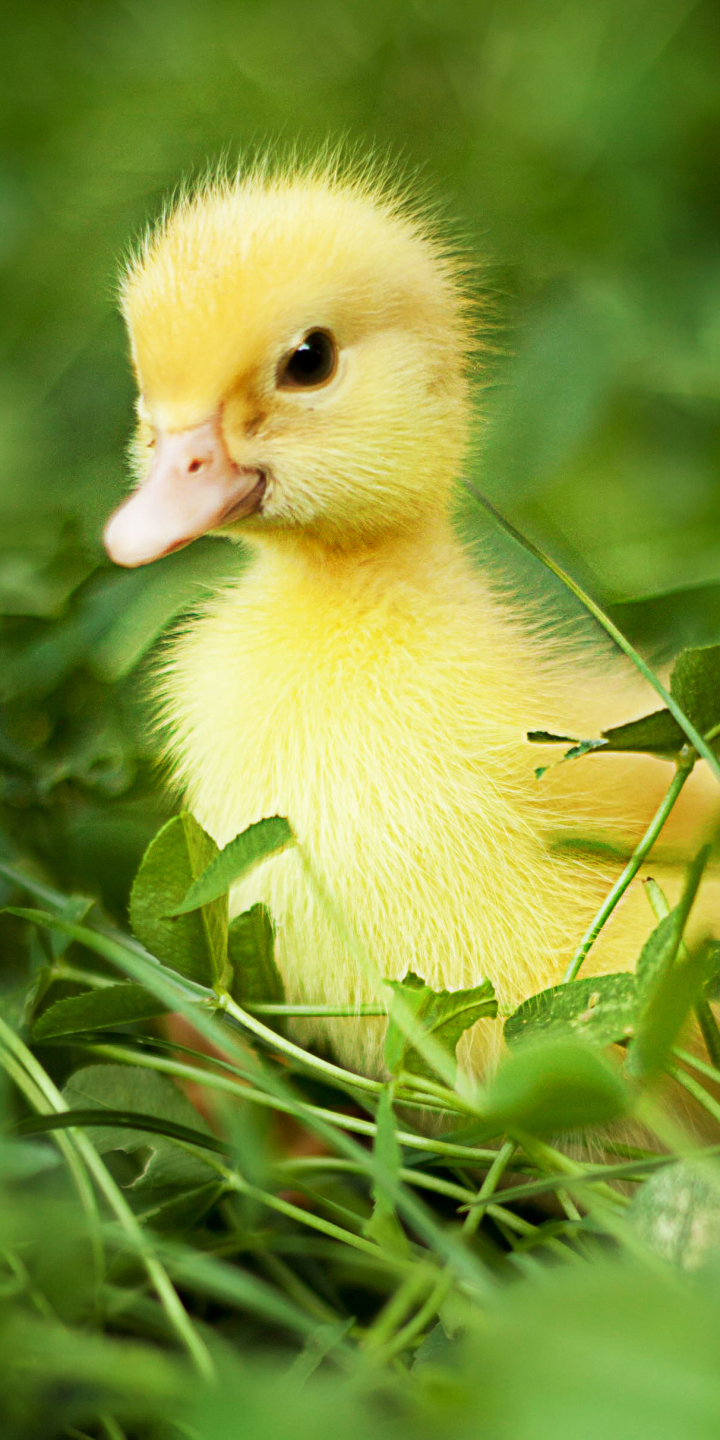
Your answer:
<point x="601" y="1009"/>
<point x="98" y="1010"/>
<point x="383" y="1225"/>
<point x="251" y="952"/>
<point x="677" y="1212"/>
<point x="658" y="952"/>
<point x="443" y="1015"/>
<point x="75" y="909"/>
<point x="263" y="838"/>
<point x="551" y="1086"/>
<point x="184" y="1211"/>
<point x="193" y="944"/>
<point x="123" y="1087"/>
<point x="655" y="734"/>
<point x="669" y="981"/>
<point x="712" y="980"/>
<point x="663" y="624"/>
<point x="695" y="684"/>
<point x="664" y="1012"/>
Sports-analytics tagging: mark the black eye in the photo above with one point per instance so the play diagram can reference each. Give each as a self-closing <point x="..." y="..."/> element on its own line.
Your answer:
<point x="312" y="364"/>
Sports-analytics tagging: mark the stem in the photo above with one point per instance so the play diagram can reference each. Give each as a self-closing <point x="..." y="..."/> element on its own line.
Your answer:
<point x="610" y="628"/>
<point x="526" y="1228"/>
<point x="59" y="971"/>
<point x="415" y="1327"/>
<point x="640" y="853"/>
<point x="158" y="1276"/>
<point x="125" y="1056"/>
<point x="278" y="1042"/>
<point x="712" y="1071"/>
<point x="546" y="1157"/>
<point x="339" y="1012"/>
<point x="299" y="1292"/>
<point x="489" y="1186"/>
<point x="443" y="1284"/>
<point x="113" y="1431"/>
<point x="34" y="1095"/>
<point x="194" y="1000"/>
<point x="394" y="1312"/>
<point x="698" y="1092"/>
<point x="703" y="1011"/>
<point x="306" y="1217"/>
<point x="342" y="1077"/>
<point x="418" y="1178"/>
<point x="660" y="908"/>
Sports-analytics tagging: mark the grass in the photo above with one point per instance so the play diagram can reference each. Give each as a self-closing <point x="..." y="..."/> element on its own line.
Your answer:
<point x="286" y="1239"/>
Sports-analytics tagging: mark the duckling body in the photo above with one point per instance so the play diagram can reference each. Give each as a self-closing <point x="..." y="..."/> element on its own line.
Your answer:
<point x="384" y="703"/>
<point x="361" y="678"/>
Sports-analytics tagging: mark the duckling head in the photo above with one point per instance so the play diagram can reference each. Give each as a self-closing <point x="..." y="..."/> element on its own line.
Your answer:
<point x="300" y="344"/>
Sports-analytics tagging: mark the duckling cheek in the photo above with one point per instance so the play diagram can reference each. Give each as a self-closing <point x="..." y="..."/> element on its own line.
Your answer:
<point x="193" y="487"/>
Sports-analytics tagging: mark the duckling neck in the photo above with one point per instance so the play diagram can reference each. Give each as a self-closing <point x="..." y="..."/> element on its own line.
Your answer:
<point x="422" y="554"/>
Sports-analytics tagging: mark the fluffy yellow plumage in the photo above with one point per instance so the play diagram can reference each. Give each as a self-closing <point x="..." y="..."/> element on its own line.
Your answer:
<point x="362" y="678"/>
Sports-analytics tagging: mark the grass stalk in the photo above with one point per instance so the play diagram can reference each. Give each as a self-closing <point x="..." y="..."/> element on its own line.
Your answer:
<point x="695" y="738"/>
<point x="174" y="1309"/>
<point x="683" y="771"/>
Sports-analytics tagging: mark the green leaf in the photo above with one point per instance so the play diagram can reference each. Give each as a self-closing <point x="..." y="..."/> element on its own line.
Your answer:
<point x="664" y="1012"/>
<point x="553" y="1086"/>
<point x="22" y="1159"/>
<point x="123" y="1087"/>
<point x="695" y="684"/>
<point x="263" y="838"/>
<point x="662" y="624"/>
<point x="443" y="1014"/>
<point x="601" y="1009"/>
<point x="98" y="1010"/>
<point x="194" y="944"/>
<point x="658" y="952"/>
<point x="251" y="952"/>
<point x="383" y="1225"/>
<point x="439" y="1351"/>
<point x="668" y="986"/>
<point x="712" y="982"/>
<point x="654" y="734"/>
<point x="75" y="909"/>
<point x="62" y="1377"/>
<point x="179" y="1215"/>
<point x="677" y="1212"/>
<point x="107" y="1119"/>
<point x="545" y="737"/>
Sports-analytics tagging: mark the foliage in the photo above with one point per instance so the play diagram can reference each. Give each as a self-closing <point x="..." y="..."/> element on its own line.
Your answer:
<point x="237" y="1237"/>
<point x="353" y="1272"/>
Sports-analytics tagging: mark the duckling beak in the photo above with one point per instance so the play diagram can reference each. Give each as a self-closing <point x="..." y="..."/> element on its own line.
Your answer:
<point x="193" y="487"/>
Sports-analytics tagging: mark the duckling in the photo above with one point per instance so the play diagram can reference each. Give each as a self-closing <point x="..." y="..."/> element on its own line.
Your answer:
<point x="302" y="343"/>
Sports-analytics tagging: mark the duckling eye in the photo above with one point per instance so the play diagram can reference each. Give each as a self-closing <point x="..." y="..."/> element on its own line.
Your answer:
<point x="313" y="363"/>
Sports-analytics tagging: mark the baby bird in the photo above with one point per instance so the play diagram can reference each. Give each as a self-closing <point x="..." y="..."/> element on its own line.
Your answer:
<point x="301" y="343"/>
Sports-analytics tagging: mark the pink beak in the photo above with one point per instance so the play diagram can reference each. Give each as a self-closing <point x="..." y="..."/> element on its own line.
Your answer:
<point x="193" y="487"/>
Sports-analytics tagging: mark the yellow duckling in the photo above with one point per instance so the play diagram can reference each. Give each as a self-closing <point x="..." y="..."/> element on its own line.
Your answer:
<point x="301" y="345"/>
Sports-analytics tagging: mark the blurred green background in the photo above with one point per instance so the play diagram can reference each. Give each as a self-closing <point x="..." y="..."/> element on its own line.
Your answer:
<point x="577" y="146"/>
